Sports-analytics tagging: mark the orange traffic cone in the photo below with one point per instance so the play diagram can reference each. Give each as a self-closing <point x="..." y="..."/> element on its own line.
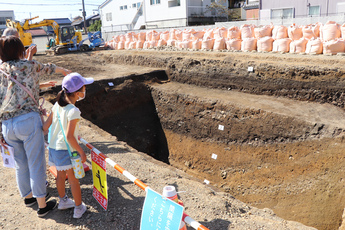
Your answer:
<point x="170" y="193"/>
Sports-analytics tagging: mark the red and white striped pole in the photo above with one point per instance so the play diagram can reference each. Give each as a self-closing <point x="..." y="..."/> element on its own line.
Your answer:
<point x="196" y="225"/>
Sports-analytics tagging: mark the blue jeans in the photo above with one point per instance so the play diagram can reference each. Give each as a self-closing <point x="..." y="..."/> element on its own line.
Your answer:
<point x="24" y="133"/>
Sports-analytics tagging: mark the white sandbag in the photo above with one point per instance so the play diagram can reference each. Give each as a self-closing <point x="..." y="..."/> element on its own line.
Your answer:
<point x="219" y="44"/>
<point x="281" y="45"/>
<point x="330" y="31"/>
<point x="334" y="46"/>
<point x="295" y="32"/>
<point x="263" y="31"/>
<point x="247" y="31"/>
<point x="298" y="46"/>
<point x="279" y="32"/>
<point x="314" y="46"/>
<point x="249" y="44"/>
<point x="265" y="44"/>
<point x="207" y="43"/>
<point x="234" y="33"/>
<point x="233" y="44"/>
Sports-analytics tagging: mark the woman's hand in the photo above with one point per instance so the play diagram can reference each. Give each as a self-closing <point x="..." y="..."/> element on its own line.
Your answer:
<point x="62" y="70"/>
<point x="2" y="142"/>
<point x="48" y="84"/>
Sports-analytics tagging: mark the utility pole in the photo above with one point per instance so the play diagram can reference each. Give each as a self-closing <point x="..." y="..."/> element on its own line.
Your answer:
<point x="84" y="14"/>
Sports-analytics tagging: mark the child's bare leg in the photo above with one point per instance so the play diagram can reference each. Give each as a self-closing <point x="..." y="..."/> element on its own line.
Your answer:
<point x="60" y="183"/>
<point x="75" y="187"/>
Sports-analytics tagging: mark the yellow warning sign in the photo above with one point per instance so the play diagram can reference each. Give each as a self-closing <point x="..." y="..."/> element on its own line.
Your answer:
<point x="99" y="180"/>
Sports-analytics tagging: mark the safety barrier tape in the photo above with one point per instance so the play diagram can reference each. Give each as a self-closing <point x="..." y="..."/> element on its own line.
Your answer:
<point x="187" y="219"/>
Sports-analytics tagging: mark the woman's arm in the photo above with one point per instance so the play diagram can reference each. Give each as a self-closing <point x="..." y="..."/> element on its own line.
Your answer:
<point x="62" y="70"/>
<point x="71" y="139"/>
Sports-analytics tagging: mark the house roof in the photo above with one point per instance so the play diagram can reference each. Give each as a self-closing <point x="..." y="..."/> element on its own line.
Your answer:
<point x="78" y="22"/>
<point x="104" y="3"/>
<point x="61" y="21"/>
<point x="37" y="32"/>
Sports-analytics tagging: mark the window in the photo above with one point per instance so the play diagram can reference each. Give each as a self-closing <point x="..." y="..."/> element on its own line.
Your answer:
<point x="138" y="4"/>
<point x="174" y="3"/>
<point x="134" y="5"/>
<point x="109" y="17"/>
<point x="152" y="2"/>
<point x="121" y="7"/>
<point x="282" y="13"/>
<point x="125" y="7"/>
<point x="314" y="10"/>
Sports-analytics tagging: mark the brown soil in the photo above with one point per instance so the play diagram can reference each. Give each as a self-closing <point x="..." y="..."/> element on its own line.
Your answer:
<point x="277" y="151"/>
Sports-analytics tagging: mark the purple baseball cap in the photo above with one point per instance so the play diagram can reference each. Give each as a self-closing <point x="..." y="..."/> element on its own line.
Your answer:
<point x="74" y="81"/>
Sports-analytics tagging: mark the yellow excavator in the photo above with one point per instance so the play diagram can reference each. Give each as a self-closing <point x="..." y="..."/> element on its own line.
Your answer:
<point x="65" y="36"/>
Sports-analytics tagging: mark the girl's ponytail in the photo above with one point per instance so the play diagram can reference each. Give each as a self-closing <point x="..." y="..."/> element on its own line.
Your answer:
<point x="61" y="98"/>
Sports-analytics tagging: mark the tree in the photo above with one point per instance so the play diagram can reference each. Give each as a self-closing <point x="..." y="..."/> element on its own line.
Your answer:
<point x="221" y="10"/>
<point x="96" y="26"/>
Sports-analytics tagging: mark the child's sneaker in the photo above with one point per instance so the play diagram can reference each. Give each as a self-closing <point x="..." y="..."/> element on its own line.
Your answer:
<point x="65" y="203"/>
<point x="79" y="211"/>
<point x="41" y="212"/>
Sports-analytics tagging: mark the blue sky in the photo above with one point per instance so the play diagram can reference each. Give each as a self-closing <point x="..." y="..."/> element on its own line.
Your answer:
<point x="49" y="8"/>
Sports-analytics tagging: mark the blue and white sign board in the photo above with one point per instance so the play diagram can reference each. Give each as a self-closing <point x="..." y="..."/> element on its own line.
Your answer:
<point x="160" y="213"/>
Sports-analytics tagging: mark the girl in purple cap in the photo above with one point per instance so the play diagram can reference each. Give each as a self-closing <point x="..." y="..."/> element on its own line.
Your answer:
<point x="73" y="90"/>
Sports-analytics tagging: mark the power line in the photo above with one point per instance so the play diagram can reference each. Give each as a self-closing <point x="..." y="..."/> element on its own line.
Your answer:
<point x="44" y="4"/>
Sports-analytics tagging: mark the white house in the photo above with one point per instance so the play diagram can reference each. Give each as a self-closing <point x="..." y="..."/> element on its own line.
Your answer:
<point x="5" y="14"/>
<point x="119" y="15"/>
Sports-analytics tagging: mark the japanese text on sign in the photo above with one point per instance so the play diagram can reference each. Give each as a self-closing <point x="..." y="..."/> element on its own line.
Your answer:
<point x="160" y="213"/>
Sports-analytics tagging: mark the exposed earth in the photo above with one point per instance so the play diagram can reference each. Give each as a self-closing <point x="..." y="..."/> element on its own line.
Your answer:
<point x="280" y="152"/>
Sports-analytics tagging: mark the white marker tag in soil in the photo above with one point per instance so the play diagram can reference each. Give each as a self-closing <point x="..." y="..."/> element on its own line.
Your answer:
<point x="110" y="84"/>
<point x="250" y="69"/>
<point x="214" y="156"/>
<point x="221" y="127"/>
<point x="206" y="181"/>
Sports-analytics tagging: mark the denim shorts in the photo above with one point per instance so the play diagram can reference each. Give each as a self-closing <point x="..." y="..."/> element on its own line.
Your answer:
<point x="60" y="159"/>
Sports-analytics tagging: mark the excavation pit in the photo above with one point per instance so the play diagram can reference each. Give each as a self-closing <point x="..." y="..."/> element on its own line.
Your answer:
<point x="283" y="151"/>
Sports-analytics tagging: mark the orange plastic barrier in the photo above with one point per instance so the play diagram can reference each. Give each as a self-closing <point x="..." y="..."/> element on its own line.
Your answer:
<point x="186" y="218"/>
<point x="330" y="31"/>
<point x="334" y="46"/>
<point x="247" y="31"/>
<point x="234" y="33"/>
<point x="265" y="44"/>
<point x="281" y="45"/>
<point x="279" y="32"/>
<point x="263" y="31"/>
<point x="233" y="44"/>
<point x="249" y="44"/>
<point x="298" y="46"/>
